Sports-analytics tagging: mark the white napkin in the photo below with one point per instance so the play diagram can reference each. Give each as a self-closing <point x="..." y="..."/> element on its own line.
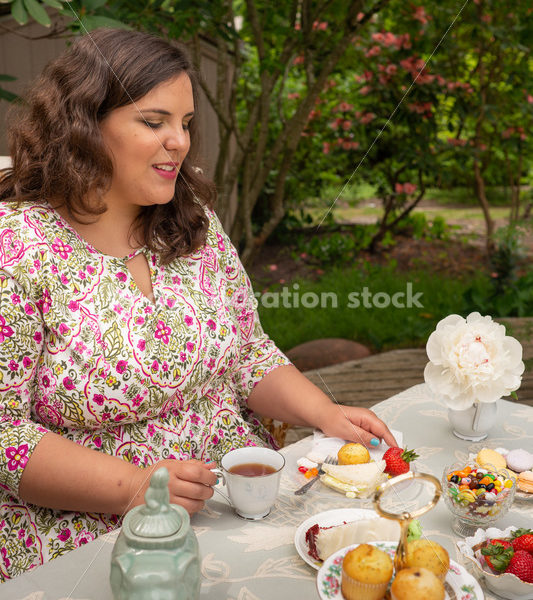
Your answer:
<point x="324" y="446"/>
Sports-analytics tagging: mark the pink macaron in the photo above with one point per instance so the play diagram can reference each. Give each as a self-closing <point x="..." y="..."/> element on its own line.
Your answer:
<point x="519" y="460"/>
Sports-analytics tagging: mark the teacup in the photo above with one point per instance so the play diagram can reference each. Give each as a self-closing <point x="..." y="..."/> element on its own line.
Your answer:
<point x="252" y="495"/>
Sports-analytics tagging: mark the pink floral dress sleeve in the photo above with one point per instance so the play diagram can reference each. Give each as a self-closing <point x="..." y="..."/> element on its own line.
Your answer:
<point x="21" y="336"/>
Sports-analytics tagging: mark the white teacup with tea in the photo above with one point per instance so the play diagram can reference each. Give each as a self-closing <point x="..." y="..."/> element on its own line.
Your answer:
<point x="252" y="476"/>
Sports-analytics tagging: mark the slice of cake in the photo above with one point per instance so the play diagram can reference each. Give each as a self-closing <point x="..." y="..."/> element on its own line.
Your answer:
<point x="322" y="542"/>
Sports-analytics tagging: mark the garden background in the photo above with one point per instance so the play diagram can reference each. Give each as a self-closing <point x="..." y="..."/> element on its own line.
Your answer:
<point x="378" y="145"/>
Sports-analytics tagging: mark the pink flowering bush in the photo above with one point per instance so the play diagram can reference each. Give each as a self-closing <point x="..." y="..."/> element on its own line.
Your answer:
<point x="406" y="109"/>
<point x="367" y="126"/>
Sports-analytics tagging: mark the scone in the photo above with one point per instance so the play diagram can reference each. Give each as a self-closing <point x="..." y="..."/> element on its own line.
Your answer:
<point x="366" y="572"/>
<point x="353" y="454"/>
<point x="429" y="555"/>
<point x="417" y="584"/>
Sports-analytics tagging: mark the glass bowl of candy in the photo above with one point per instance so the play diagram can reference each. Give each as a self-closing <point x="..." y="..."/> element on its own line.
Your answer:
<point x="477" y="497"/>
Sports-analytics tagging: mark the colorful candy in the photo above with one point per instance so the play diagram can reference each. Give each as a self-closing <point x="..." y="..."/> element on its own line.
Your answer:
<point x="478" y="491"/>
<point x="311" y="473"/>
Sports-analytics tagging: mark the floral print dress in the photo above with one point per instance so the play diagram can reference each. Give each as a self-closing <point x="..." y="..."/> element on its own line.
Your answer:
<point x="86" y="355"/>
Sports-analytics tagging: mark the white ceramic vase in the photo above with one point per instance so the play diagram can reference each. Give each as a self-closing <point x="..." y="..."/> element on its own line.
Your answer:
<point x="474" y="423"/>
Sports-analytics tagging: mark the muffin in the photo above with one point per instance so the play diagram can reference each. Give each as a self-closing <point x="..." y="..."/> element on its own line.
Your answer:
<point x="366" y="572"/>
<point x="353" y="454"/>
<point x="417" y="584"/>
<point x="429" y="555"/>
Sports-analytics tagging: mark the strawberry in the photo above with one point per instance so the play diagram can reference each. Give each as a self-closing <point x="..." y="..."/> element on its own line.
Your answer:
<point x="521" y="565"/>
<point x="393" y="450"/>
<point x="497" y="554"/>
<point x="523" y="540"/>
<point x="397" y="460"/>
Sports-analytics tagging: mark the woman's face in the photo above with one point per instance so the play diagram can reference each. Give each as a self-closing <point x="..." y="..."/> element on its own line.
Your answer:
<point x="148" y="141"/>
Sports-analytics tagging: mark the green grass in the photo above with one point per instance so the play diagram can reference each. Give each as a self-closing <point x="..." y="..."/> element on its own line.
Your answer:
<point x="455" y="204"/>
<point x="357" y="192"/>
<point x="463" y="214"/>
<point x="352" y="193"/>
<point x="496" y="196"/>
<point x="390" y="327"/>
<point x="379" y="328"/>
<point x="349" y="213"/>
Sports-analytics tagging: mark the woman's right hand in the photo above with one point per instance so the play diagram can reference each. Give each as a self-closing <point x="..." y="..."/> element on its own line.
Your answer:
<point x="190" y="483"/>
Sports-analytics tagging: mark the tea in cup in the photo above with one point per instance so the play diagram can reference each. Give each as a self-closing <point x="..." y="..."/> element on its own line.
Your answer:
<point x="252" y="476"/>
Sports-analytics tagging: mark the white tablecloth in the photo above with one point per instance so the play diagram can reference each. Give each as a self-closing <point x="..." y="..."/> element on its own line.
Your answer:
<point x="244" y="560"/>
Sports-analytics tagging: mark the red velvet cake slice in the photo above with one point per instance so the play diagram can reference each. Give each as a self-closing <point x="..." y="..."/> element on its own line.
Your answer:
<point x="324" y="541"/>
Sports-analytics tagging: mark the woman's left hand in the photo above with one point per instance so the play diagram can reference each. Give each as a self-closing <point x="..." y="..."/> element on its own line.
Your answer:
<point x="356" y="424"/>
<point x="287" y="395"/>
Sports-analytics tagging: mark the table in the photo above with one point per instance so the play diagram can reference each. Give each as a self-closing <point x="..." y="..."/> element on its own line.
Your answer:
<point x="244" y="560"/>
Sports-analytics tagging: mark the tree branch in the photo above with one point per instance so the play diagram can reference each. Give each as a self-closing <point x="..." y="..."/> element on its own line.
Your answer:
<point x="219" y="110"/>
<point x="278" y="210"/>
<point x="256" y="29"/>
<point x="295" y="125"/>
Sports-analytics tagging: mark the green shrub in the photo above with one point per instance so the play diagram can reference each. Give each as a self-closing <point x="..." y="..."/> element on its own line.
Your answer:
<point x="504" y="293"/>
<point x="417" y="225"/>
<point x="336" y="247"/>
<point x="488" y="296"/>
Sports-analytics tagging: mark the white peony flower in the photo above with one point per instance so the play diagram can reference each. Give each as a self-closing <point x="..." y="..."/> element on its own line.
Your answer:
<point x="472" y="360"/>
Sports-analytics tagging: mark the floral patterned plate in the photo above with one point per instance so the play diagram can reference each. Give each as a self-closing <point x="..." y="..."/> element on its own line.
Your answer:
<point x="459" y="584"/>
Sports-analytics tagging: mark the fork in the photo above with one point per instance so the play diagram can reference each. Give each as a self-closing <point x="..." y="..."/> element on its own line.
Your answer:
<point x="329" y="460"/>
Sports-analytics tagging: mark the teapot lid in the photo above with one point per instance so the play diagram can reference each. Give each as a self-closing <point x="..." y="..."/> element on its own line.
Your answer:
<point x="157" y="518"/>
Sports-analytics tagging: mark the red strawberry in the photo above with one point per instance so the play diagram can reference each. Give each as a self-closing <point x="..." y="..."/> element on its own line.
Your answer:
<point x="521" y="565"/>
<point x="497" y="554"/>
<point x="523" y="540"/>
<point x="397" y="460"/>
<point x="394" y="450"/>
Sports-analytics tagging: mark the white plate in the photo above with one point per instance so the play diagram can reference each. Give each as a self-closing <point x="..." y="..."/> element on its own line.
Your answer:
<point x="328" y="518"/>
<point x="520" y="495"/>
<point x="459" y="584"/>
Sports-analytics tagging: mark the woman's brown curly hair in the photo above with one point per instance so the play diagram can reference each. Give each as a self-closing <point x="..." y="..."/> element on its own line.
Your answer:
<point x="57" y="149"/>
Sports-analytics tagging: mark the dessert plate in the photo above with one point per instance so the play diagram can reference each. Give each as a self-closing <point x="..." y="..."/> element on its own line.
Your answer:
<point x="520" y="495"/>
<point x="459" y="584"/>
<point x="327" y="518"/>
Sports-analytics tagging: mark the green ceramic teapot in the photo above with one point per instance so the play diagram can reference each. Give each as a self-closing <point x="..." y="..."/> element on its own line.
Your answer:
<point x="156" y="554"/>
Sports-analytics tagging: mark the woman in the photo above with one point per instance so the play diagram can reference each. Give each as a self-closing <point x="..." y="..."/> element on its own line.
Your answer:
<point x="128" y="328"/>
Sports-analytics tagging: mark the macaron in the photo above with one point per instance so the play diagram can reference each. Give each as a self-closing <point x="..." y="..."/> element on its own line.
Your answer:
<point x="519" y="460"/>
<point x="486" y="456"/>
<point x="525" y="482"/>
